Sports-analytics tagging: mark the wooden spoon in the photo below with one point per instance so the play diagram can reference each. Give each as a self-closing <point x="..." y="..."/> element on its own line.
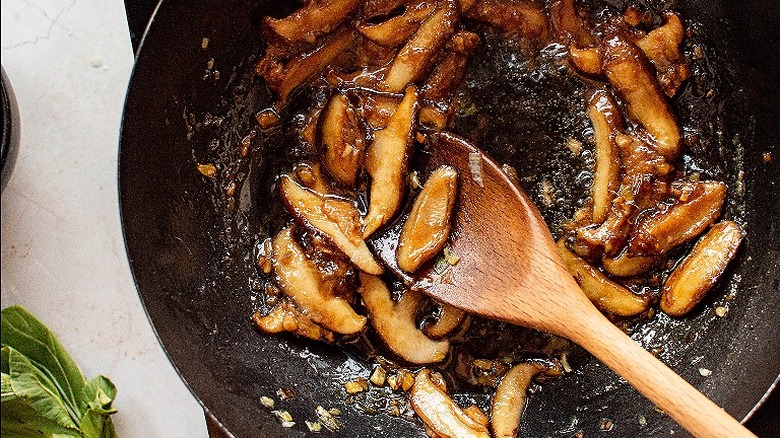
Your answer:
<point x="510" y="270"/>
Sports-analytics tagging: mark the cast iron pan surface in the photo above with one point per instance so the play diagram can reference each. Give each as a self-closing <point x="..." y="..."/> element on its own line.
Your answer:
<point x="193" y="259"/>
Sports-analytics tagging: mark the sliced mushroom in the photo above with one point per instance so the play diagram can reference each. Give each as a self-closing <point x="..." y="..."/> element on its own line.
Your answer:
<point x="342" y="140"/>
<point x="310" y="123"/>
<point x="635" y="16"/>
<point x="662" y="47"/>
<point x="387" y="163"/>
<point x="477" y="414"/>
<point x="466" y="5"/>
<point x="435" y="118"/>
<point x="521" y="18"/>
<point x="413" y="61"/>
<point x="444" y="80"/>
<point x="376" y="8"/>
<point x="604" y="293"/>
<point x="630" y="73"/>
<point x="611" y="235"/>
<point x="302" y="282"/>
<point x="568" y="25"/>
<point x="607" y="122"/>
<point x="641" y="187"/>
<point x="449" y="72"/>
<point x="284" y="317"/>
<point x="449" y="319"/>
<point x="316" y="18"/>
<point x="374" y="58"/>
<point x="339" y="275"/>
<point x="334" y="217"/>
<point x="509" y="400"/>
<point x="439" y="412"/>
<point x="304" y="66"/>
<point x="310" y="176"/>
<point x="397" y="30"/>
<point x="376" y="108"/>
<point x="395" y="322"/>
<point x="427" y="229"/>
<point x="697" y="206"/>
<point x="623" y="265"/>
<point x="700" y="270"/>
<point x="586" y="60"/>
<point x="485" y="372"/>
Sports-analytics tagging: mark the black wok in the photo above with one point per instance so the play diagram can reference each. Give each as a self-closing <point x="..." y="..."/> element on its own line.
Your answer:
<point x="192" y="258"/>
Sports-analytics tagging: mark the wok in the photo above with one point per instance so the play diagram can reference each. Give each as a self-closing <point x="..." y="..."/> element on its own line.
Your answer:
<point x="192" y="258"/>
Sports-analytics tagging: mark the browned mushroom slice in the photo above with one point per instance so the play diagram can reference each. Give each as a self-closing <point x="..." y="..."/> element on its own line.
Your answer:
<point x="449" y="72"/>
<point x="374" y="58"/>
<point x="697" y="206"/>
<point x="337" y="272"/>
<point x="662" y="47"/>
<point x="395" y="322"/>
<point x="466" y="5"/>
<point x="387" y="162"/>
<point x="523" y="18"/>
<point x="310" y="123"/>
<point x="568" y="25"/>
<point x="623" y="265"/>
<point x="635" y="16"/>
<point x="397" y="30"/>
<point x="306" y="65"/>
<point x="316" y="18"/>
<point x="607" y="122"/>
<point x="586" y="60"/>
<point x="310" y="176"/>
<point x="427" y="229"/>
<point x="449" y="319"/>
<point x="609" y="237"/>
<point x="645" y="171"/>
<point x="644" y="168"/>
<point x="439" y="412"/>
<point x="377" y="8"/>
<point x="342" y="140"/>
<point x="336" y="218"/>
<point x="604" y="293"/>
<point x="509" y="401"/>
<point x="696" y="275"/>
<point x="434" y="118"/>
<point x="284" y="317"/>
<point x="477" y="414"/>
<point x="631" y="74"/>
<point x="413" y="61"/>
<point x="376" y="108"/>
<point x="302" y="282"/>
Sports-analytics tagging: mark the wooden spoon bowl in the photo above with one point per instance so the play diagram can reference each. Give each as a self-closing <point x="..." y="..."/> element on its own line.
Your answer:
<point x="509" y="270"/>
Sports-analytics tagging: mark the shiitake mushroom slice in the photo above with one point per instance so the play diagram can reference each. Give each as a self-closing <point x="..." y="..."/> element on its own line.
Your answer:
<point x="336" y="218"/>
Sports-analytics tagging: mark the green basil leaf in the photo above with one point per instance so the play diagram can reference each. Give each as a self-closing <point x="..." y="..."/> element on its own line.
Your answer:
<point x="44" y="394"/>
<point x="97" y="425"/>
<point x="4" y="361"/>
<point x="34" y="389"/>
<point x="18" y="420"/>
<point x="22" y="331"/>
<point x="7" y="390"/>
<point x="101" y="393"/>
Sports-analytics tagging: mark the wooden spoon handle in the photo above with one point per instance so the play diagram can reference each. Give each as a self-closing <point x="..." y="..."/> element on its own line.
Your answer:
<point x="685" y="404"/>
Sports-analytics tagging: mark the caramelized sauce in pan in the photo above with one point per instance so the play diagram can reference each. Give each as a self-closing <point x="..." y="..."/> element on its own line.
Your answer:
<point x="521" y="107"/>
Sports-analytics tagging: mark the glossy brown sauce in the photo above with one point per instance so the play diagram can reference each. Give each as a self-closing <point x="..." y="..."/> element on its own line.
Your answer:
<point x="521" y="108"/>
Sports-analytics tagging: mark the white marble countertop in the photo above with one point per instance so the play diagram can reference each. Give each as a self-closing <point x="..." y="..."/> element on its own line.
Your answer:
<point x="63" y="255"/>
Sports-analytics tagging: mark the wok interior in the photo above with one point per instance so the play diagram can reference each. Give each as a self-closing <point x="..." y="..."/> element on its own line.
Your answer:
<point x="194" y="264"/>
